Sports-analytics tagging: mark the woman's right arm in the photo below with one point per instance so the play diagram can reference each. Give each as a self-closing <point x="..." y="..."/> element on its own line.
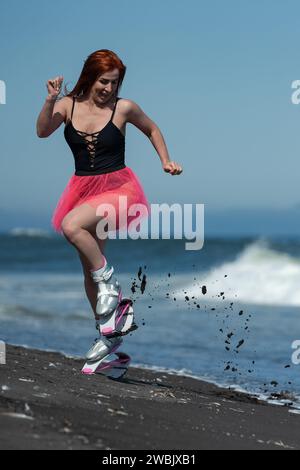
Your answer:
<point x="53" y="112"/>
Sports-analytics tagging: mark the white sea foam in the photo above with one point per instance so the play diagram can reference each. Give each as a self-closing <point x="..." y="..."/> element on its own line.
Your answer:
<point x="29" y="232"/>
<point x="259" y="275"/>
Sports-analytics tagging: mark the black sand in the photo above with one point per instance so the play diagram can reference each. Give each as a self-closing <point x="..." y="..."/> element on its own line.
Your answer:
<point x="45" y="403"/>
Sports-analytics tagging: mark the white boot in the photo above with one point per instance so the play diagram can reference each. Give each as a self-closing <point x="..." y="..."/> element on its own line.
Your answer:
<point x="102" y="348"/>
<point x="109" y="290"/>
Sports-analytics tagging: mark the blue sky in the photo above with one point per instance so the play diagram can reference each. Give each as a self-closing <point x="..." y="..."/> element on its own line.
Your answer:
<point x="215" y="76"/>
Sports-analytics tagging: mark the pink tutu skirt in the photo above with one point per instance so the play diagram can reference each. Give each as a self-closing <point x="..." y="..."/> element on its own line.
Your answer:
<point x="102" y="189"/>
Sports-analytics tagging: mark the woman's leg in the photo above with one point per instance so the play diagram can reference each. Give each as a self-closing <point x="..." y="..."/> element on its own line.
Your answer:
<point x="79" y="228"/>
<point x="91" y="288"/>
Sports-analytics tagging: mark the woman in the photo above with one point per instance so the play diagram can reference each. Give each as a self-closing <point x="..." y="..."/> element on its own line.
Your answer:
<point x="95" y="119"/>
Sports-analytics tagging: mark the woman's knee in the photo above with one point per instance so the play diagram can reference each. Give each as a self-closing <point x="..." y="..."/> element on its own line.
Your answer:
<point x="70" y="228"/>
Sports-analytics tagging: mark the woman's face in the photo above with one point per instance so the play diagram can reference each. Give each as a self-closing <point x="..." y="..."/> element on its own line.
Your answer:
<point x="105" y="86"/>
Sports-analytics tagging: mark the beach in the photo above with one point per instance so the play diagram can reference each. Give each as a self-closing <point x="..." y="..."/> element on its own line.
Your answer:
<point x="46" y="403"/>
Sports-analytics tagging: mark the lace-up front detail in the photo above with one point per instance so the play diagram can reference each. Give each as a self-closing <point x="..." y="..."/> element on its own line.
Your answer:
<point x="90" y="144"/>
<point x="97" y="152"/>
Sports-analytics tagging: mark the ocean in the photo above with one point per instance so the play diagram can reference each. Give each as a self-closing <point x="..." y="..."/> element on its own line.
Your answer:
<point x="227" y="313"/>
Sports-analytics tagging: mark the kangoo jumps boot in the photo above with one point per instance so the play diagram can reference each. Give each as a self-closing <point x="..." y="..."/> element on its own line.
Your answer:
<point x="109" y="290"/>
<point x="102" y="348"/>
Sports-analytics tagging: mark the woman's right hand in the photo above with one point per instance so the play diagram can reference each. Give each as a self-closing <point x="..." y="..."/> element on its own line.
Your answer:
<point x="54" y="86"/>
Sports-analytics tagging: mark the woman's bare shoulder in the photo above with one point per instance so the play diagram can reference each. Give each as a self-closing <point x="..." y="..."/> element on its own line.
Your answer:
<point x="129" y="107"/>
<point x="135" y="115"/>
<point x="63" y="106"/>
<point x="126" y="104"/>
<point x="66" y="101"/>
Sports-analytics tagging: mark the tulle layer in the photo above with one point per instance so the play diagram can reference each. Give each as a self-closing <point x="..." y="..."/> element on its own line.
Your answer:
<point x="102" y="189"/>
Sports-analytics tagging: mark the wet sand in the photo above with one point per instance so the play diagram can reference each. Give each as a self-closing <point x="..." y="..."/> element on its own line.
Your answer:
<point x="45" y="403"/>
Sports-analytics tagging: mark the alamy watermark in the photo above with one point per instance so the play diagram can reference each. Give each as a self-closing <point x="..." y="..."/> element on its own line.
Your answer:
<point x="2" y="92"/>
<point x="296" y="354"/>
<point x="2" y="353"/>
<point x="154" y="226"/>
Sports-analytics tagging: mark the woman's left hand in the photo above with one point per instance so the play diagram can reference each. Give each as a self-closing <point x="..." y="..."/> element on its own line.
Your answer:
<point x="173" y="168"/>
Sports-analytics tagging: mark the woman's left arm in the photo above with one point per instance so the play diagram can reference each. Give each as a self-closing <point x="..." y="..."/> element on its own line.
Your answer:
<point x="136" y="116"/>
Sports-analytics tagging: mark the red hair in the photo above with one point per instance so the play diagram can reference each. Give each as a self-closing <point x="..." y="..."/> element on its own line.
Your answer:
<point x="96" y="64"/>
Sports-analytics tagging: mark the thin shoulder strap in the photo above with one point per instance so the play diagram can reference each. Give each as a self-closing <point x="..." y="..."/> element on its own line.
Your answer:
<point x="73" y="107"/>
<point x="114" y="108"/>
